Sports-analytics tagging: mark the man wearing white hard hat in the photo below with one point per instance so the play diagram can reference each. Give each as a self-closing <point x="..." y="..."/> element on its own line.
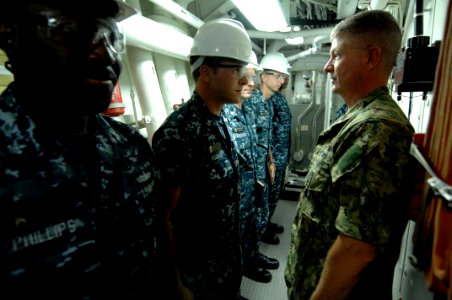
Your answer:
<point x="275" y="72"/>
<point x="263" y="111"/>
<point x="242" y="122"/>
<point x="200" y="169"/>
<point x="277" y="67"/>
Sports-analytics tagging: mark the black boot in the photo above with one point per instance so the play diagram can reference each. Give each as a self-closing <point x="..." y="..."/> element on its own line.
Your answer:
<point x="270" y="238"/>
<point x="266" y="262"/>
<point x="275" y="228"/>
<point x="257" y="273"/>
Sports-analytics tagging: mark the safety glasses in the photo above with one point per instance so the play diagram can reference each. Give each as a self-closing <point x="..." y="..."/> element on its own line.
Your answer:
<point x="239" y="71"/>
<point x="72" y="31"/>
<point x="278" y="76"/>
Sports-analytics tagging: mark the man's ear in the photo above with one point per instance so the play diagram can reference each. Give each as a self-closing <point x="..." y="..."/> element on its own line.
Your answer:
<point x="373" y="56"/>
<point x="205" y="73"/>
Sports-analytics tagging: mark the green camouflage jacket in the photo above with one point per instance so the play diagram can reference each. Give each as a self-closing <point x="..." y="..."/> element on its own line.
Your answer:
<point x="355" y="187"/>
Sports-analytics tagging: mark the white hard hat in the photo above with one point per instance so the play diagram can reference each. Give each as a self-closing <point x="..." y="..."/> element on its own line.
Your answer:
<point x="222" y="38"/>
<point x="253" y="64"/>
<point x="275" y="61"/>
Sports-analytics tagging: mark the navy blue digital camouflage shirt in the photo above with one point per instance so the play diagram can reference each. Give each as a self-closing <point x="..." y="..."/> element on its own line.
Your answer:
<point x="281" y="130"/>
<point x="76" y="213"/>
<point x="263" y="113"/>
<point x="244" y="133"/>
<point x="196" y="153"/>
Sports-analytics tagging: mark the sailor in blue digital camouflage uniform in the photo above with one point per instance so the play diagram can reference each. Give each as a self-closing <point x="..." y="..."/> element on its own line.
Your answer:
<point x="352" y="212"/>
<point x="263" y="113"/>
<point x="282" y="125"/>
<point x="199" y="165"/>
<point x="243" y="127"/>
<point x="275" y="71"/>
<point x="281" y="135"/>
<point x="77" y="189"/>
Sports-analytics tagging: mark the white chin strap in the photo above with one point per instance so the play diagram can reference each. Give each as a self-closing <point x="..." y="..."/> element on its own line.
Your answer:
<point x="197" y="63"/>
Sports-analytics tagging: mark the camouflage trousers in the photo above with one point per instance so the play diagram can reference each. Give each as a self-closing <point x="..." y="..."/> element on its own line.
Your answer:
<point x="276" y="190"/>
<point x="262" y="213"/>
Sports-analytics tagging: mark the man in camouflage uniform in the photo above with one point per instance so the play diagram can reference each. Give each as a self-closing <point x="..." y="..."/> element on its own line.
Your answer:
<point x="261" y="108"/>
<point x="275" y="72"/>
<point x="77" y="189"/>
<point x="351" y="215"/>
<point x="241" y="120"/>
<point x="262" y="112"/>
<point x="281" y="133"/>
<point x="199" y="165"/>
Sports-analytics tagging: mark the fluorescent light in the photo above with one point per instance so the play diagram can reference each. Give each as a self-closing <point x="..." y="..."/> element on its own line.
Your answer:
<point x="295" y="40"/>
<point x="264" y="15"/>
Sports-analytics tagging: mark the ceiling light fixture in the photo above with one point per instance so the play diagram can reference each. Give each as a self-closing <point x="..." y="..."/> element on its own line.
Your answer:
<point x="295" y="40"/>
<point x="264" y="15"/>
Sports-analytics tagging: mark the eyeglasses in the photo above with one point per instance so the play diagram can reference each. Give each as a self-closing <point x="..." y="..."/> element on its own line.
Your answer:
<point x="239" y="71"/>
<point x="278" y="76"/>
<point x="67" y="30"/>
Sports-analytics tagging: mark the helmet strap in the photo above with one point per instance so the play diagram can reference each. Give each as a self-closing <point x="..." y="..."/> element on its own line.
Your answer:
<point x="197" y="63"/>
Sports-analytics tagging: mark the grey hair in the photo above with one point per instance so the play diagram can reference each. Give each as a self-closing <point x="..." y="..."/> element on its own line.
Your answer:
<point x="374" y="26"/>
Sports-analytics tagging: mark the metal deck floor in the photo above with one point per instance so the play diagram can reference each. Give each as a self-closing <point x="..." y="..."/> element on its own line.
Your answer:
<point x="275" y="289"/>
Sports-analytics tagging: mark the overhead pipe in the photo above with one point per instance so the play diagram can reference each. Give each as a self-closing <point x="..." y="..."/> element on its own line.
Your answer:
<point x="183" y="14"/>
<point x="179" y="12"/>
<point x="148" y="89"/>
<point x="163" y="17"/>
<point x="221" y="10"/>
<point x="185" y="82"/>
<point x="378" y="4"/>
<point x="167" y="75"/>
<point x="277" y="45"/>
<point x="319" y="40"/>
<point x="313" y="50"/>
<point x="256" y="48"/>
<point x="346" y="8"/>
<point x="186" y="16"/>
<point x="315" y="62"/>
<point x="304" y="53"/>
<point x="292" y="34"/>
<point x="164" y="39"/>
